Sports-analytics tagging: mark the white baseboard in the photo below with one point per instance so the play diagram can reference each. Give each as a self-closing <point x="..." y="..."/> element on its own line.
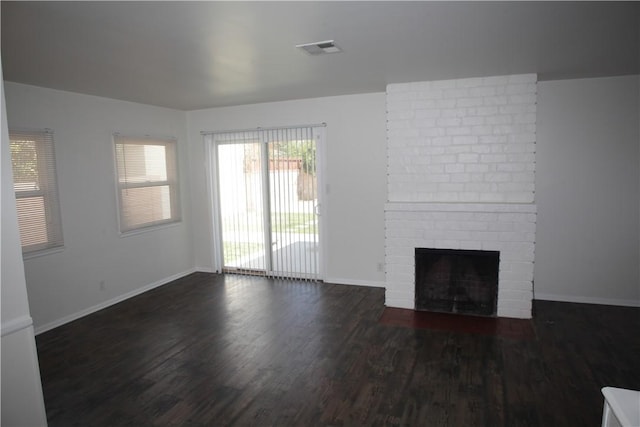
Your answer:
<point x="586" y="300"/>
<point x="17" y="324"/>
<point x="354" y="282"/>
<point x="205" y="270"/>
<point x="105" y="304"/>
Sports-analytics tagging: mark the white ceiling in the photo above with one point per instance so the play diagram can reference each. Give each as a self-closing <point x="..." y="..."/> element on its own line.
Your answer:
<point x="192" y="55"/>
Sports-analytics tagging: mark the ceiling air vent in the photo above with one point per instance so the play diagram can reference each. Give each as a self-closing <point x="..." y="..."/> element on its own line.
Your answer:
<point x="320" y="48"/>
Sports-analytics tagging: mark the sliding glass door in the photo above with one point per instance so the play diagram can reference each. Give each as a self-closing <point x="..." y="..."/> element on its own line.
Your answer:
<point x="268" y="202"/>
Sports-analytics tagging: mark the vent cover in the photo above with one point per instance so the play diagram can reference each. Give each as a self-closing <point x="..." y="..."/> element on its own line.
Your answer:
<point x="320" y="48"/>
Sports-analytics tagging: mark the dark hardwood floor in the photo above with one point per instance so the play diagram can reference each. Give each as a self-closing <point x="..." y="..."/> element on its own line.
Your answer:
<point x="213" y="350"/>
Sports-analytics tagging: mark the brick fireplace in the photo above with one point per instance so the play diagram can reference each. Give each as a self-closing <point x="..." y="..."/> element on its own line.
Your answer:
<point x="461" y="175"/>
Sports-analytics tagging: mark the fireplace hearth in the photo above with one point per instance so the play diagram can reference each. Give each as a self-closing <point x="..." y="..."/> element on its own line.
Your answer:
<point x="456" y="281"/>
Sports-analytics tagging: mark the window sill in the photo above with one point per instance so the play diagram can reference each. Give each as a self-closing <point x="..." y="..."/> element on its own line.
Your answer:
<point x="150" y="229"/>
<point x="41" y="253"/>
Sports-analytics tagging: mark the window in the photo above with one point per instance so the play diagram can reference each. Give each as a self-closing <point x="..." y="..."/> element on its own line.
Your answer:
<point x="147" y="182"/>
<point x="34" y="181"/>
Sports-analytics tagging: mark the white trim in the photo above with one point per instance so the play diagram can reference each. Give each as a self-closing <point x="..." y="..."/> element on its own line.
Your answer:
<point x="258" y="129"/>
<point x="149" y="228"/>
<point x="206" y="270"/>
<point x="42" y="252"/>
<point x="355" y="282"/>
<point x="587" y="300"/>
<point x="17" y="324"/>
<point x="108" y="303"/>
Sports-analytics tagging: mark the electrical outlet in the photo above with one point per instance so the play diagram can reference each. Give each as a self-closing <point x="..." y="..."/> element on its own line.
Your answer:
<point x="101" y="285"/>
<point x="381" y="267"/>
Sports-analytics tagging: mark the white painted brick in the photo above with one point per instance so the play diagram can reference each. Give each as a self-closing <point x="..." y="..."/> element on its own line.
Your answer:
<point x="499" y="120"/>
<point x="443" y="159"/>
<point x="444" y="84"/>
<point x="457" y="149"/>
<point x="520" y="88"/>
<point x="525" y="98"/>
<point x="469" y="102"/>
<point x="494" y="139"/>
<point x="465" y="139"/>
<point x="495" y="81"/>
<point x="470" y="245"/>
<point x="441" y="140"/>
<point x="495" y="100"/>
<point x="484" y="91"/>
<point x="518" y="109"/>
<point x="473" y="121"/>
<point x="419" y="86"/>
<point x="518" y="303"/>
<point x="493" y="158"/>
<point x="424" y="123"/>
<point x="427" y="114"/>
<point x="523" y="177"/>
<point x="453" y="112"/>
<point x="516" y="295"/>
<point x="462" y="130"/>
<point x="431" y="132"/>
<point x="431" y="94"/>
<point x="469" y="83"/>
<point x="498" y="177"/>
<point x="445" y="177"/>
<point x="478" y="168"/>
<point x="525" y="118"/>
<point x="461" y="178"/>
<point x="486" y="111"/>
<point x="448" y="244"/>
<point x="492" y="198"/>
<point x="454" y="168"/>
<point x="482" y="130"/>
<point x="481" y="149"/>
<point x="456" y="93"/>
<point x="468" y="158"/>
<point x="469" y="197"/>
<point x="449" y="121"/>
<point x="446" y="103"/>
<point x="450" y="189"/>
<point x="422" y="104"/>
<point x="516" y="285"/>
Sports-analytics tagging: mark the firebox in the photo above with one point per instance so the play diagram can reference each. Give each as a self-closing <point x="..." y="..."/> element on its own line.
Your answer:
<point x="456" y="281"/>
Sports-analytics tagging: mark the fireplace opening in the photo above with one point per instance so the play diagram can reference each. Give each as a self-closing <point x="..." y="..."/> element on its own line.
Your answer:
<point x="457" y="281"/>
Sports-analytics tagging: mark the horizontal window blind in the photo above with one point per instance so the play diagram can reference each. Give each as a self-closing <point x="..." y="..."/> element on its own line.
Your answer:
<point x="147" y="181"/>
<point x="35" y="185"/>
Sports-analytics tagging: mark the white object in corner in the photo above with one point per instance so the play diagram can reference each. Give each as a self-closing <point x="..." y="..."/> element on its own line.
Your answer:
<point x="621" y="407"/>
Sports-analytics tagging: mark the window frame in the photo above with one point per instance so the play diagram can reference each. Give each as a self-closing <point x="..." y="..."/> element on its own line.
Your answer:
<point x="48" y="191"/>
<point x="172" y="182"/>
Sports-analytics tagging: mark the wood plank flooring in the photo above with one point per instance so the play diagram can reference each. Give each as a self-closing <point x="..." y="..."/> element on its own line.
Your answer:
<point x="216" y="350"/>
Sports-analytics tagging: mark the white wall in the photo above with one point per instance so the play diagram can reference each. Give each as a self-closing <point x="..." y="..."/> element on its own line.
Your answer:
<point x="587" y="191"/>
<point x="22" y="402"/>
<point x="355" y="171"/>
<point x="66" y="284"/>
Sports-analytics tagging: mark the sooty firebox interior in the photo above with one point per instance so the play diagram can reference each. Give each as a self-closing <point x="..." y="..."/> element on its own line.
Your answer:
<point x="457" y="281"/>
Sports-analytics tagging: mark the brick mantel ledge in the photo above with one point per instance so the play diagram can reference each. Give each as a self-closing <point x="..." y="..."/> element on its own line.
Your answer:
<point x="459" y="207"/>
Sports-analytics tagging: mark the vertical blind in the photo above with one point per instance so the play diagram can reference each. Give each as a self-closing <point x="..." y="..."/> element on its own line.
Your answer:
<point x="267" y="189"/>
<point x="35" y="185"/>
